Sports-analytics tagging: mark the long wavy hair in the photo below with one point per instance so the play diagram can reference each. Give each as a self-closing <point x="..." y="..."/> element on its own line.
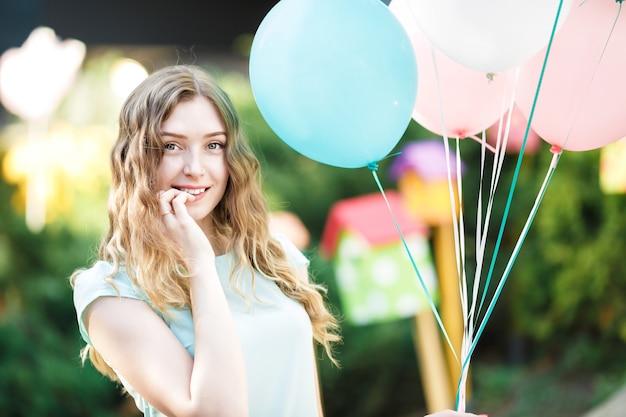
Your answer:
<point x="135" y="239"/>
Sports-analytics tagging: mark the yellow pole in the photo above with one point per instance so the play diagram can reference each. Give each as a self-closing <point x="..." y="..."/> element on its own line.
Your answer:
<point x="429" y="201"/>
<point x="432" y="362"/>
<point x="450" y="299"/>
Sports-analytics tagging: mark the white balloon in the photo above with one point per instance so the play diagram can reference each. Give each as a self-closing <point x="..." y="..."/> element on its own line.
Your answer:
<point x="489" y="35"/>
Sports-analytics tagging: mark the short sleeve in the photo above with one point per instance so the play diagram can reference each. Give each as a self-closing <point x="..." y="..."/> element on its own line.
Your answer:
<point x="91" y="285"/>
<point x="294" y="255"/>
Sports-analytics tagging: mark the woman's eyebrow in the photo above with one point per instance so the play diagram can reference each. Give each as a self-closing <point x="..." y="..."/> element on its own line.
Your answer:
<point x="181" y="136"/>
<point x="175" y="135"/>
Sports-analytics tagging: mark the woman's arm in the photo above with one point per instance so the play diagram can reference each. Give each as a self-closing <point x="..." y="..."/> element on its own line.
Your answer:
<point x="141" y="347"/>
<point x="318" y="387"/>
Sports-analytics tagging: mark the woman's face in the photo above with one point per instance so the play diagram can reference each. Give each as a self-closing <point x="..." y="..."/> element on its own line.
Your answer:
<point x="194" y="159"/>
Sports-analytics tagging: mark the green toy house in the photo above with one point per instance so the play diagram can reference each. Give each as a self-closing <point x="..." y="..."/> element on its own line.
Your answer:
<point x="376" y="279"/>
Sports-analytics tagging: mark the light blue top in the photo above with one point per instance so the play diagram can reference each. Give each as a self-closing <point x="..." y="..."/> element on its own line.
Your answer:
<point x="275" y="332"/>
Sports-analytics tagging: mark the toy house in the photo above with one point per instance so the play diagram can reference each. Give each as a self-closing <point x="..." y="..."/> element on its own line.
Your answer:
<point x="376" y="278"/>
<point x="421" y="172"/>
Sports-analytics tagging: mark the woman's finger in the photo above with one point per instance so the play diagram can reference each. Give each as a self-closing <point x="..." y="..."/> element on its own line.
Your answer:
<point x="165" y="201"/>
<point x="179" y="201"/>
<point x="173" y="201"/>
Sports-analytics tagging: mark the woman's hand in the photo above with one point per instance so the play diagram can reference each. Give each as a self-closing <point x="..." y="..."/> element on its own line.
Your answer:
<point x="180" y="226"/>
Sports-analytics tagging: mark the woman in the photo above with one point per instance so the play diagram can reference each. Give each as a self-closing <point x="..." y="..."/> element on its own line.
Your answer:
<point x="193" y="305"/>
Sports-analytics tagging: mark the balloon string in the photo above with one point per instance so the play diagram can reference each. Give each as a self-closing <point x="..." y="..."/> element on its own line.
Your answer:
<point x="495" y="179"/>
<point x="374" y="167"/>
<point x="506" y="211"/>
<point x="593" y="76"/>
<point x="458" y="231"/>
<point x="482" y="142"/>
<point x="455" y="223"/>
<point x="468" y="318"/>
<point x="553" y="164"/>
<point x="481" y="235"/>
<point x="520" y="158"/>
<point x="507" y="208"/>
<point x="455" y="201"/>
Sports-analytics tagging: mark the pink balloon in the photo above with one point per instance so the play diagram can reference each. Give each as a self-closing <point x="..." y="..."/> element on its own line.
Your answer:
<point x="582" y="97"/>
<point x="469" y="101"/>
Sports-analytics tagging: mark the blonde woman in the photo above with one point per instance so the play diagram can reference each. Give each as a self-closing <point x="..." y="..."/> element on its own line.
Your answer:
<point x="194" y="306"/>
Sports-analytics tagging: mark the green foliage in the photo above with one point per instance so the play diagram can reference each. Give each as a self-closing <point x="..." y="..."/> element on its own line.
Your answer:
<point x="570" y="277"/>
<point x="40" y="370"/>
<point x="41" y="375"/>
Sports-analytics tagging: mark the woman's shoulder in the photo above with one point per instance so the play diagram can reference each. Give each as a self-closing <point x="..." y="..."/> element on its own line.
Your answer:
<point x="99" y="273"/>
<point x="102" y="279"/>
<point x="294" y="255"/>
<point x="98" y="268"/>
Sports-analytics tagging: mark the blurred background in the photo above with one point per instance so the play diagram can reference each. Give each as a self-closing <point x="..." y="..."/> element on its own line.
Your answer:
<point x="554" y="345"/>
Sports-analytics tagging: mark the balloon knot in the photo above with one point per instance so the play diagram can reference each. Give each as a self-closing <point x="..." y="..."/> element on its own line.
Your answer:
<point x="373" y="166"/>
<point x="557" y="150"/>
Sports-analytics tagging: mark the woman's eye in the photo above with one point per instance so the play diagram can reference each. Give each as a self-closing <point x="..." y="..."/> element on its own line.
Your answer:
<point x="169" y="147"/>
<point x="215" y="145"/>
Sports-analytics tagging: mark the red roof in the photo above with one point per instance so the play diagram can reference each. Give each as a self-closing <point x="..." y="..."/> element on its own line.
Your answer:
<point x="369" y="216"/>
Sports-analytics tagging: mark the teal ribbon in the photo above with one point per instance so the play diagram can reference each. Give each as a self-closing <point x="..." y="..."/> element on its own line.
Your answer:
<point x="373" y="166"/>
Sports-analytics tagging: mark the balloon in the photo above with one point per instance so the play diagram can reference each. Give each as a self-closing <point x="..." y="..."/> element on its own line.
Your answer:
<point x="335" y="79"/>
<point x="469" y="100"/>
<point x="489" y="35"/>
<point x="516" y="133"/>
<point x="582" y="96"/>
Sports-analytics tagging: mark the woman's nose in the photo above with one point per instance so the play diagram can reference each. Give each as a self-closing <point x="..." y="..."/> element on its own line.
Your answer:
<point x="193" y="164"/>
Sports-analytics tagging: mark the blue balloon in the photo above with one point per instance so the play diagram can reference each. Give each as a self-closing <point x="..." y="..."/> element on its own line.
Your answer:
<point x="335" y="79"/>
